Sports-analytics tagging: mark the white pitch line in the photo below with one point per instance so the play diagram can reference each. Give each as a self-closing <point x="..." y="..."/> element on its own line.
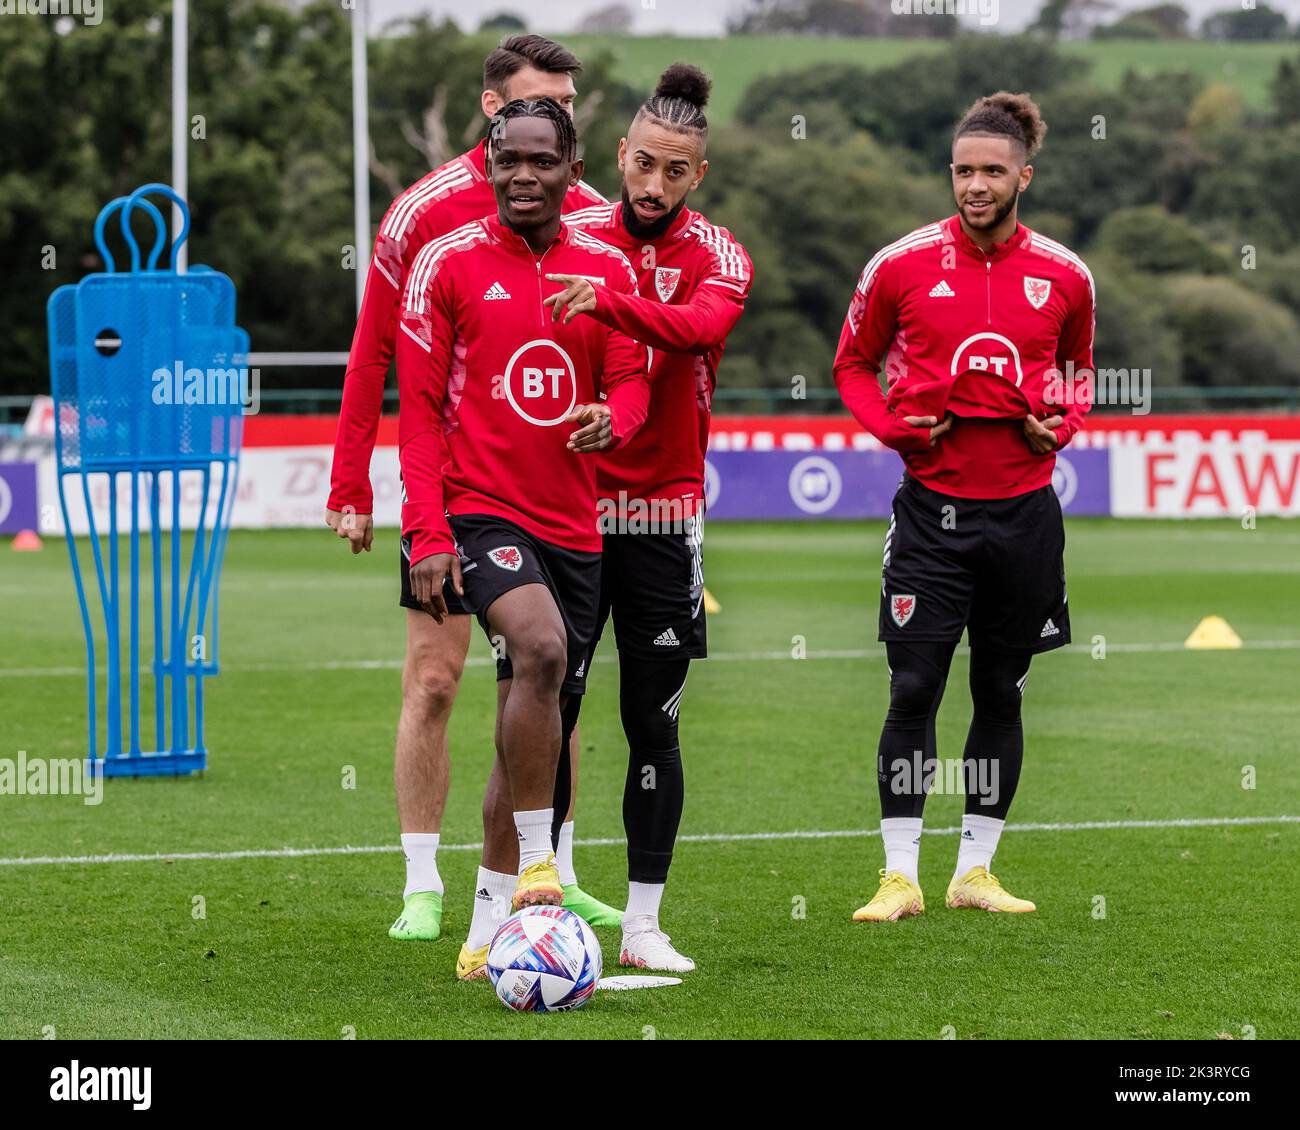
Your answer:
<point x="715" y="657"/>
<point x="703" y="838"/>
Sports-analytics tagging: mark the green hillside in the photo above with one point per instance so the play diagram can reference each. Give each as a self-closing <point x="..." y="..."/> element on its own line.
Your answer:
<point x="737" y="61"/>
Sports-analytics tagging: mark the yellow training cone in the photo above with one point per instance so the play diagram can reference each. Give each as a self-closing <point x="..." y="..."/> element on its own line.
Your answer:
<point x="1213" y="631"/>
<point x="711" y="604"/>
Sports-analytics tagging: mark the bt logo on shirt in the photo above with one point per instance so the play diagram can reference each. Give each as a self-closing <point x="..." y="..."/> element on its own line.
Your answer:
<point x="540" y="383"/>
<point x="988" y="352"/>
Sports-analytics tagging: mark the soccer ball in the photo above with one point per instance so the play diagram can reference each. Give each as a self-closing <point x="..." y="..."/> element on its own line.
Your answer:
<point x="544" y="959"/>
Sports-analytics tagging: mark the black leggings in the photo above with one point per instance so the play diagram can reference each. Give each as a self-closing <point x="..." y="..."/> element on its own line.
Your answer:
<point x="650" y="694"/>
<point x="907" y="758"/>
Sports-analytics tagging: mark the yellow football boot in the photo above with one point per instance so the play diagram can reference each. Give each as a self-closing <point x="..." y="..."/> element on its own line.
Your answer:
<point x="979" y="890"/>
<point x="471" y="965"/>
<point x="539" y="885"/>
<point x="897" y="898"/>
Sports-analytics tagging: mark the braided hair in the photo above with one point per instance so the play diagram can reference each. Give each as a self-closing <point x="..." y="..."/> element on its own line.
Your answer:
<point x="679" y="100"/>
<point x="1005" y="115"/>
<point x="537" y="108"/>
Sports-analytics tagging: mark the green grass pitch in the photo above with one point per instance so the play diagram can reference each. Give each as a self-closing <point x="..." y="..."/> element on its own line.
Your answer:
<point x="1199" y="925"/>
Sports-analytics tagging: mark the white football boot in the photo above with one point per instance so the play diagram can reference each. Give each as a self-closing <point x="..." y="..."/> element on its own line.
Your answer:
<point x="651" y="948"/>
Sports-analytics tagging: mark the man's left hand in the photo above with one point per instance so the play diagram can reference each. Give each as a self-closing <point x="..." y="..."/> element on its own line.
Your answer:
<point x="1041" y="434"/>
<point x="595" y="428"/>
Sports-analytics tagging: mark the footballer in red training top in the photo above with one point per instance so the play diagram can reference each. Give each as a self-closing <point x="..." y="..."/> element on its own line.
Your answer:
<point x="456" y="193"/>
<point x="499" y="488"/>
<point x="694" y="279"/>
<point x="984" y="329"/>
<point x="451" y="196"/>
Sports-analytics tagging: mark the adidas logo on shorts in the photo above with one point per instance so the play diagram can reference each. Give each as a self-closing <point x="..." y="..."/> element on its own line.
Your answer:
<point x="667" y="638"/>
<point x="1049" y="629"/>
<point x="941" y="289"/>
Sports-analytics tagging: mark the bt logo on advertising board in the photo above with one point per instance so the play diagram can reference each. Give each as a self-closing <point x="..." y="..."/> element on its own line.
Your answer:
<point x="815" y="484"/>
<point x="1065" y="481"/>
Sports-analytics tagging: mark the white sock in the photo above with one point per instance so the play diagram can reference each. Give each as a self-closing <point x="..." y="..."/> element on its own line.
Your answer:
<point x="642" y="911"/>
<point x="421" y="851"/>
<point x="564" y="855"/>
<point x="534" y="828"/>
<point x="979" y="840"/>
<point x="902" y="836"/>
<point x="492" y="893"/>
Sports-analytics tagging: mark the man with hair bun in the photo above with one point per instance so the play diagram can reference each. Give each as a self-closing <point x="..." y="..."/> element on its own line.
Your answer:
<point x="984" y="329"/>
<point x="693" y="279"/>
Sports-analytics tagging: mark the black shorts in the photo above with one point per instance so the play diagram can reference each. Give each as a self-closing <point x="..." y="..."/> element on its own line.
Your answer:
<point x="455" y="605"/>
<point x="994" y="566"/>
<point x="496" y="556"/>
<point x="653" y="585"/>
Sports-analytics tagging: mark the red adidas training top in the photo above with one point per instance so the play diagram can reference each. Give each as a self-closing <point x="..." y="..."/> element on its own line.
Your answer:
<point x="693" y="283"/>
<point x="487" y="379"/>
<point x="983" y="335"/>
<point x="448" y="198"/>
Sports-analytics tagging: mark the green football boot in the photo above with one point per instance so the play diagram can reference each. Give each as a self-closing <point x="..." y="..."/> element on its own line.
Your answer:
<point x="420" y="920"/>
<point x="592" y="910"/>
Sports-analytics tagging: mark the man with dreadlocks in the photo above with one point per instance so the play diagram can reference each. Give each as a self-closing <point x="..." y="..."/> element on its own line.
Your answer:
<point x="985" y="330"/>
<point x="499" y="492"/>
<point x="694" y="279"/>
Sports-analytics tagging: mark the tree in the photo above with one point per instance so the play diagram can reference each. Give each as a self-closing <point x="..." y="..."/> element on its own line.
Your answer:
<point x="1284" y="91"/>
<point x="1171" y="19"/>
<point x="1149" y="239"/>
<point x="1241" y="24"/>
<point x="1231" y="336"/>
<point x="838" y="17"/>
<point x="613" y="19"/>
<point x="1133" y="329"/>
<point x="1070" y="19"/>
<point x="905" y="105"/>
<point x="1217" y="107"/>
<point x="506" y="22"/>
<point x="1163" y="21"/>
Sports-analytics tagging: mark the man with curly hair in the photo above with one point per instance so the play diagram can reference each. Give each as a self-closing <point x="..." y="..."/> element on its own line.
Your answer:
<point x="984" y="329"/>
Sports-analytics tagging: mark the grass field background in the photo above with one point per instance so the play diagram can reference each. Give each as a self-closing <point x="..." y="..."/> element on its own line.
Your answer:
<point x="1200" y="922"/>
<point x="734" y="62"/>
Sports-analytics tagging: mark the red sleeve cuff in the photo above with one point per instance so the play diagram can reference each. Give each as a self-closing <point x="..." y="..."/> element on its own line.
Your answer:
<point x="362" y="502"/>
<point x="427" y="530"/>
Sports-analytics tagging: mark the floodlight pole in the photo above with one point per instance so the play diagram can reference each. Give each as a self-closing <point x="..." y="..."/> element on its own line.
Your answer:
<point x="360" y="148"/>
<point x="180" y="118"/>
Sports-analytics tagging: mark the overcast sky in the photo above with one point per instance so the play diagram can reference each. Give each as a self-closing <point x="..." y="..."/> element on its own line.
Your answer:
<point x="705" y="17"/>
